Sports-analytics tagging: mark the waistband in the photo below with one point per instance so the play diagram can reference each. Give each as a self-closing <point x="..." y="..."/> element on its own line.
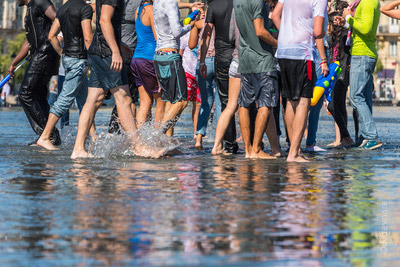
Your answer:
<point x="165" y="53"/>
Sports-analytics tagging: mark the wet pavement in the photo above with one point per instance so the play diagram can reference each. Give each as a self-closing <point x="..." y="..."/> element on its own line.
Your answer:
<point x="341" y="209"/>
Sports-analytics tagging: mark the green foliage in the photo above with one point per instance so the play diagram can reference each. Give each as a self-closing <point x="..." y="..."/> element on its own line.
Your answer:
<point x="379" y="66"/>
<point x="12" y="49"/>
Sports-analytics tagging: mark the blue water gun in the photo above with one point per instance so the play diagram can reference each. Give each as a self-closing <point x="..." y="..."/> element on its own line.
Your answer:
<point x="324" y="85"/>
<point x="191" y="17"/>
<point x="8" y="76"/>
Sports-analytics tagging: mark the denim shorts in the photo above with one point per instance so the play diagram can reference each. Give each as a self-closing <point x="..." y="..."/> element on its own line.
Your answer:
<point x="171" y="76"/>
<point x="102" y="76"/>
<point x="260" y="88"/>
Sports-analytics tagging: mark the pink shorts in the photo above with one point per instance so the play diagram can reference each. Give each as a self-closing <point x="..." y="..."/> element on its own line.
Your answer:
<point x="193" y="88"/>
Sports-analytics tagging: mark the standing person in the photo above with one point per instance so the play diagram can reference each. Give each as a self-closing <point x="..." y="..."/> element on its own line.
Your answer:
<point x="363" y="19"/>
<point x="107" y="73"/>
<point x="206" y="87"/>
<point x="168" y="62"/>
<point x="5" y="91"/>
<point x="258" y="72"/>
<point x="53" y="89"/>
<point x="42" y="65"/>
<point x="189" y="62"/>
<point x="340" y="52"/>
<point x="143" y="67"/>
<point x="74" y="20"/>
<point x="129" y="41"/>
<point x="219" y="16"/>
<point x="299" y="22"/>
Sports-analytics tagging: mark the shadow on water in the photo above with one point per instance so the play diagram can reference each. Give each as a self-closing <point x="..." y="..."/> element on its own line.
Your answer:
<point x="194" y="208"/>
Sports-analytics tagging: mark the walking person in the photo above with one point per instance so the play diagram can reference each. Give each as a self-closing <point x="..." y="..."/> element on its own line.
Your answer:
<point x="74" y="20"/>
<point x="299" y="22"/>
<point x="43" y="63"/>
<point x="168" y="62"/>
<point x="362" y="18"/>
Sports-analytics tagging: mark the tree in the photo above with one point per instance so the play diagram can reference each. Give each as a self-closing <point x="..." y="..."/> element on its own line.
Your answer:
<point x="12" y="48"/>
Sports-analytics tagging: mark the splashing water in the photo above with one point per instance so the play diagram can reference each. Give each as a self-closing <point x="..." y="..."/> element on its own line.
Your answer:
<point x="145" y="142"/>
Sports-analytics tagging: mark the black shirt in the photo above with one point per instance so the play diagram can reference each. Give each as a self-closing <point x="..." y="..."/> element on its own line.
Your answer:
<point x="219" y="13"/>
<point x="37" y="24"/>
<point x="99" y="44"/>
<point x="70" y="16"/>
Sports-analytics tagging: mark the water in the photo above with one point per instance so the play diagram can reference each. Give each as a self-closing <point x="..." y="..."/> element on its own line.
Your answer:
<point x="196" y="209"/>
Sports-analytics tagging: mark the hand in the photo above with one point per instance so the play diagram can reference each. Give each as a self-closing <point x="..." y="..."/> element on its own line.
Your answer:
<point x="324" y="69"/>
<point x="203" y="71"/>
<point x="346" y="12"/>
<point x="197" y="5"/>
<point x="11" y="70"/>
<point x="116" y="62"/>
<point x="339" y="21"/>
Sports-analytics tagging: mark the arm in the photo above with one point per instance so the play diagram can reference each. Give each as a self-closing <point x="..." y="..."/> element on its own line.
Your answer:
<point x="194" y="34"/>
<point x="53" y="33"/>
<point x="277" y="15"/>
<point x="363" y="26"/>
<point x="87" y="32"/>
<point x="319" y="27"/>
<point x="204" y="44"/>
<point x="51" y="12"/>
<point x="321" y="50"/>
<point x="174" y="23"/>
<point x="195" y="5"/>
<point x="389" y="9"/>
<point x="105" y="23"/>
<point x="262" y="33"/>
<point x="23" y="52"/>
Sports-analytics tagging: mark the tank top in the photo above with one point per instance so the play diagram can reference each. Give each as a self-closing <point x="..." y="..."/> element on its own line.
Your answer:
<point x="146" y="43"/>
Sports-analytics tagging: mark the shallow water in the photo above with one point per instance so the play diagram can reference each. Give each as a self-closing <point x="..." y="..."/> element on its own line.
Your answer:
<point x="341" y="209"/>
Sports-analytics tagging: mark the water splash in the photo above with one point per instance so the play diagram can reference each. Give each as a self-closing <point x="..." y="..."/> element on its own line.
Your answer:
<point x="146" y="142"/>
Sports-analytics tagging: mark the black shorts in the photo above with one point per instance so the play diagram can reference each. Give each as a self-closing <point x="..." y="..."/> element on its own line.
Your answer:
<point x="102" y="76"/>
<point x="260" y="88"/>
<point x="298" y="78"/>
<point x="171" y="76"/>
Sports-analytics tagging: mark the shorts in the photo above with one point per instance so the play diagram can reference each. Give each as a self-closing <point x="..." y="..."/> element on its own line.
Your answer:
<point x="298" y="78"/>
<point x="145" y="75"/>
<point x="233" y="70"/>
<point x="260" y="88"/>
<point x="193" y="89"/>
<point x="102" y="76"/>
<point x="171" y="77"/>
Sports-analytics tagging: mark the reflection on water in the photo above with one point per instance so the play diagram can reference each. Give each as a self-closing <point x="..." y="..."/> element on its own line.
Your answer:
<point x="194" y="208"/>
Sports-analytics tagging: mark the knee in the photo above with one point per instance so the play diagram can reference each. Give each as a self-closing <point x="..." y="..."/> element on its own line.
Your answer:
<point x="183" y="104"/>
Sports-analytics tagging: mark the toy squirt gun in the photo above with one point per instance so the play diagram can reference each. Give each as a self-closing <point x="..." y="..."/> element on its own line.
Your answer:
<point x="324" y="85"/>
<point x="191" y="17"/>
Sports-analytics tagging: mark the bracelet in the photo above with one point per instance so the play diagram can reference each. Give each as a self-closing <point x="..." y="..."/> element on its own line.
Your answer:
<point x="202" y="64"/>
<point x="324" y="62"/>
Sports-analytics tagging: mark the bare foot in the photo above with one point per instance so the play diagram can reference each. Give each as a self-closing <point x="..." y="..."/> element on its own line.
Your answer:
<point x="347" y="142"/>
<point x="261" y="155"/>
<point x="46" y="144"/>
<point x="81" y="154"/>
<point x="334" y="144"/>
<point x="278" y="154"/>
<point x="217" y="150"/>
<point x="297" y="159"/>
<point x="199" y="142"/>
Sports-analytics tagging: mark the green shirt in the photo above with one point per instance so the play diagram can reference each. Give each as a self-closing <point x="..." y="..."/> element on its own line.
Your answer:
<point x="255" y="56"/>
<point x="365" y="24"/>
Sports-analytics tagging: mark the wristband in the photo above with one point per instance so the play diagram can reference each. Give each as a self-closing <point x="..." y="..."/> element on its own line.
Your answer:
<point x="202" y="64"/>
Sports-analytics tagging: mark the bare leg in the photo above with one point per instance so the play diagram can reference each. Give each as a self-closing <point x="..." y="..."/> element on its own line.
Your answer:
<point x="273" y="137"/>
<point x="44" y="139"/>
<point x="171" y="116"/>
<point x="123" y="102"/>
<point x="146" y="102"/>
<point x="337" y="141"/>
<point x="93" y="102"/>
<point x="160" y="109"/>
<point x="297" y="121"/>
<point x="262" y="118"/>
<point x="244" y="121"/>
<point x="226" y="115"/>
<point x="196" y="110"/>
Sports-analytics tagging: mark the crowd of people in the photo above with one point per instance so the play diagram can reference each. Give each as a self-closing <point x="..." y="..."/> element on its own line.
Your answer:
<point x="258" y="57"/>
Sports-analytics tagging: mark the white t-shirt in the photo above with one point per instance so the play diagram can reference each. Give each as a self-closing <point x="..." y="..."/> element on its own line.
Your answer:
<point x="189" y="57"/>
<point x="296" y="36"/>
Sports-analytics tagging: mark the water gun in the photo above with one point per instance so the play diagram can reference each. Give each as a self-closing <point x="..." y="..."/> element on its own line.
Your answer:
<point x="324" y="85"/>
<point x="191" y="17"/>
<point x="8" y="76"/>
